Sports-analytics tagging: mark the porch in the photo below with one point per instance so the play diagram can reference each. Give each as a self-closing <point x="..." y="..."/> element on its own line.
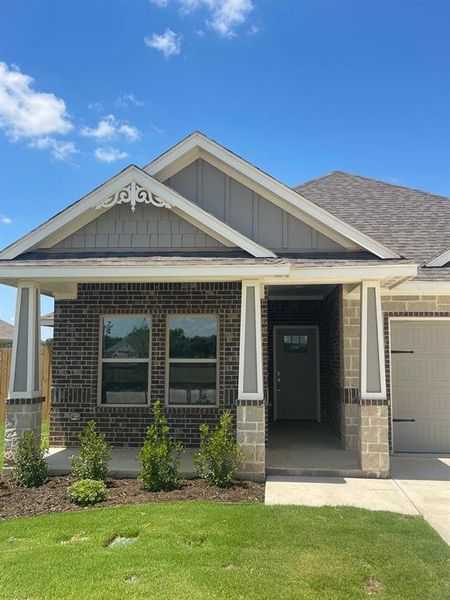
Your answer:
<point x="306" y="448"/>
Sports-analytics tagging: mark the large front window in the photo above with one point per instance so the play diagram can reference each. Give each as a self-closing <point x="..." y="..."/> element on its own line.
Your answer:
<point x="125" y="359"/>
<point x="192" y="356"/>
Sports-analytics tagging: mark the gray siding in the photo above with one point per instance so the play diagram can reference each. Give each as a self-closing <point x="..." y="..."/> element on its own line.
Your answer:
<point x="246" y="211"/>
<point x="148" y="227"/>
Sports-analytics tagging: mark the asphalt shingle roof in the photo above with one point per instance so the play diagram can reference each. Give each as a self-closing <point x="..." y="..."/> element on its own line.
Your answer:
<point x="414" y="223"/>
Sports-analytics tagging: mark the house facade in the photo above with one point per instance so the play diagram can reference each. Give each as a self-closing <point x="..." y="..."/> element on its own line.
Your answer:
<point x="204" y="283"/>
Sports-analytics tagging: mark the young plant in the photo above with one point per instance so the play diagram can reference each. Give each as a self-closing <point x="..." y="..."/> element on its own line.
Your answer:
<point x="30" y="468"/>
<point x="87" y="491"/>
<point x="94" y="456"/>
<point x="160" y="456"/>
<point x="220" y="456"/>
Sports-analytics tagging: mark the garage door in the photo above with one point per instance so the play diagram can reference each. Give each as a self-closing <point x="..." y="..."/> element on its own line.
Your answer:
<point x="421" y="385"/>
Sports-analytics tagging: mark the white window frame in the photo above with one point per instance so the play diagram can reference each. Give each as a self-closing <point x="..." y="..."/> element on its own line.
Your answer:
<point x="170" y="361"/>
<point x="102" y="360"/>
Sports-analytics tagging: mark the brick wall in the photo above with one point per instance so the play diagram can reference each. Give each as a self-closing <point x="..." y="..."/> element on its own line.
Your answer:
<point x="331" y="348"/>
<point x="76" y="354"/>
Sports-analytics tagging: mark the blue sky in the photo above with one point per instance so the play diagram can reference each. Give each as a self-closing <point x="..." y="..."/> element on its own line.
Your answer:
<point x="297" y="87"/>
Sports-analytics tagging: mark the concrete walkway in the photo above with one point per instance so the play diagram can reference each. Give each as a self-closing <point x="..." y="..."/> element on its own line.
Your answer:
<point x="124" y="461"/>
<point x="420" y="485"/>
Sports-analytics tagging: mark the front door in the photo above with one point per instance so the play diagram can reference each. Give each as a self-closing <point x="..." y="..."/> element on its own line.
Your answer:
<point x="296" y="373"/>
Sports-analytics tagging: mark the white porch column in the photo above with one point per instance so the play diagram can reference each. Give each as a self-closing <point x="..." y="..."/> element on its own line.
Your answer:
<point x="251" y="426"/>
<point x="374" y="423"/>
<point x="24" y="402"/>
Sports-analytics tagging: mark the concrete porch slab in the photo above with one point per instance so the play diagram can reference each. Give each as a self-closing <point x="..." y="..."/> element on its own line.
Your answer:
<point x="124" y="461"/>
<point x="297" y="448"/>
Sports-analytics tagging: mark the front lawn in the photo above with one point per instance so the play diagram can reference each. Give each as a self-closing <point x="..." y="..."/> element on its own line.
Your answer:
<point x="199" y="550"/>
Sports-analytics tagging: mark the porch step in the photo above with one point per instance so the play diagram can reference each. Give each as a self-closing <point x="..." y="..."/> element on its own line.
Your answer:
<point x="311" y="472"/>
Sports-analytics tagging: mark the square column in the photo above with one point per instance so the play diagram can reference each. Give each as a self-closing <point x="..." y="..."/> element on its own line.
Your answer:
<point x="24" y="402"/>
<point x="374" y="417"/>
<point x="251" y="411"/>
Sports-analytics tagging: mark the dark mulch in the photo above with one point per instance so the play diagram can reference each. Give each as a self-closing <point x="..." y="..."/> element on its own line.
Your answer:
<point x="16" y="501"/>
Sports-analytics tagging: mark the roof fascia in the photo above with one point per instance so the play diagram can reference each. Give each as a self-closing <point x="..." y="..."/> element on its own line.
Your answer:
<point x="76" y="215"/>
<point x="440" y="260"/>
<point x="293" y="202"/>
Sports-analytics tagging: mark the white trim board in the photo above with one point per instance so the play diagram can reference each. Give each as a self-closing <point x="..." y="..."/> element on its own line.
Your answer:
<point x="83" y="211"/>
<point x="365" y="394"/>
<point x="439" y="260"/>
<point x="197" y="145"/>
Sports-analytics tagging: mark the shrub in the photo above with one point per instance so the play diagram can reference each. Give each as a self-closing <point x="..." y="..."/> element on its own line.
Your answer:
<point x="219" y="456"/>
<point x="30" y="468"/>
<point x="160" y="456"/>
<point x="87" y="491"/>
<point x="94" y="456"/>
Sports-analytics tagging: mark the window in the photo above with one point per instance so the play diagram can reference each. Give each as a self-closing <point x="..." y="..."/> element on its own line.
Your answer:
<point x="294" y="344"/>
<point x="125" y="359"/>
<point x="192" y="358"/>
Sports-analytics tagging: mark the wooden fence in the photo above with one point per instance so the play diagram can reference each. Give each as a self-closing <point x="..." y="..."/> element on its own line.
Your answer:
<point x="46" y="378"/>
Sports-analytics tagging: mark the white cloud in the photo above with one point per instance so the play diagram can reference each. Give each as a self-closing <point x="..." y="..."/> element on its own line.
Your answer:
<point x="5" y="220"/>
<point x="95" y="106"/>
<point x="127" y="99"/>
<point x="109" y="128"/>
<point x="25" y="112"/>
<point x="224" y="15"/>
<point x="109" y="154"/>
<point x="169" y="43"/>
<point x="60" y="149"/>
<point x="253" y="30"/>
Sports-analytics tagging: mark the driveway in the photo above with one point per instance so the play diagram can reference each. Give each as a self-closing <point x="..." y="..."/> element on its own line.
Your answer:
<point x="420" y="485"/>
<point x="425" y="480"/>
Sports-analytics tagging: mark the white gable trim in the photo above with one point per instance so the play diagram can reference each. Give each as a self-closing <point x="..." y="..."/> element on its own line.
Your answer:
<point x="198" y="145"/>
<point x="440" y="260"/>
<point x="82" y="212"/>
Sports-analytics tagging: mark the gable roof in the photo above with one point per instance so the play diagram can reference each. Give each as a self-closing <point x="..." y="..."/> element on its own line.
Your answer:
<point x="6" y="331"/>
<point x="414" y="223"/>
<point x="81" y="212"/>
<point x="197" y="145"/>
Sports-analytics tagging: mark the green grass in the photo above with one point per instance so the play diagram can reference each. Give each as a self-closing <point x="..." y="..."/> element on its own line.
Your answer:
<point x="45" y="437"/>
<point x="213" y="551"/>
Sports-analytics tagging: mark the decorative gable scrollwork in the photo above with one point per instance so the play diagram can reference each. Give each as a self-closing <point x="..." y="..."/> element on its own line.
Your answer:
<point x="133" y="194"/>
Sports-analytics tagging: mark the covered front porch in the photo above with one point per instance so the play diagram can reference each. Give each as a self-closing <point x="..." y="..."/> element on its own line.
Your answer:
<point x="347" y="429"/>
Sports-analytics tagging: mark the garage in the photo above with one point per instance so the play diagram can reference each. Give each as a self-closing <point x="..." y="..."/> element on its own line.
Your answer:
<point x="420" y="367"/>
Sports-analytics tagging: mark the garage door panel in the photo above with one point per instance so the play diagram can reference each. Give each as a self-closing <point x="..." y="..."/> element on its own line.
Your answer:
<point x="412" y="370"/>
<point x="415" y="437"/>
<point x="421" y="386"/>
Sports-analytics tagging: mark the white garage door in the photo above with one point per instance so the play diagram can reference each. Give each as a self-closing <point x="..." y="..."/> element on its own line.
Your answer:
<point x="420" y="364"/>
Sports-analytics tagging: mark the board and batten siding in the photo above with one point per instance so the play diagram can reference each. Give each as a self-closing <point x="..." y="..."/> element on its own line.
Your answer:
<point x="233" y="203"/>
<point x="244" y="210"/>
<point x="148" y="227"/>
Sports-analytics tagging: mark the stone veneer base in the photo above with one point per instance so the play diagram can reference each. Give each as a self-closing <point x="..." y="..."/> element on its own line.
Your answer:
<point x="22" y="414"/>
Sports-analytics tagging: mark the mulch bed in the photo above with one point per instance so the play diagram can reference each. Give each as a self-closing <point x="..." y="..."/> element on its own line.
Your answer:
<point x="16" y="501"/>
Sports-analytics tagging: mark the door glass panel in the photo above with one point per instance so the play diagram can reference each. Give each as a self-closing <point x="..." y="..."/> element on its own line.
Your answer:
<point x="294" y="344"/>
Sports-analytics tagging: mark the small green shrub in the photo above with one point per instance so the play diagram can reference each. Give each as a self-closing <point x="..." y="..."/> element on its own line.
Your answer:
<point x="160" y="456"/>
<point x="219" y="456"/>
<point x="30" y="468"/>
<point x="87" y="491"/>
<point x="94" y="456"/>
